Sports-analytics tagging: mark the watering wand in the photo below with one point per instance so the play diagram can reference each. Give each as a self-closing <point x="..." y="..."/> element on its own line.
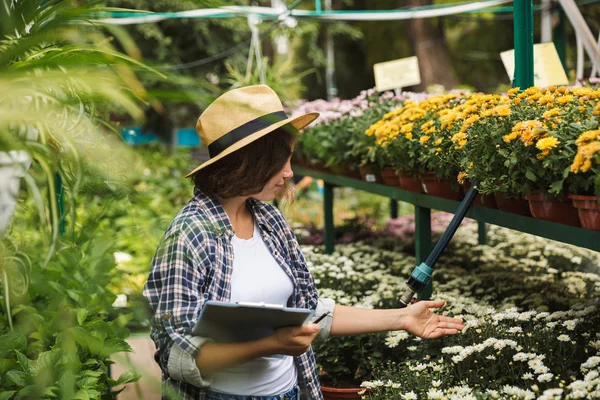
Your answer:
<point x="421" y="275"/>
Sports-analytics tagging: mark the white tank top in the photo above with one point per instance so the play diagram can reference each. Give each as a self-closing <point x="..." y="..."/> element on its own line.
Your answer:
<point x="257" y="278"/>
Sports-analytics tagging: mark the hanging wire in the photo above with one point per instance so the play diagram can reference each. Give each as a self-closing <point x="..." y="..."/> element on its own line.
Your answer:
<point x="240" y="46"/>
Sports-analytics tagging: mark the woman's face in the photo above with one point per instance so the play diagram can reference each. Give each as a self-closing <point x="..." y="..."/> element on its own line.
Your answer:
<point x="276" y="183"/>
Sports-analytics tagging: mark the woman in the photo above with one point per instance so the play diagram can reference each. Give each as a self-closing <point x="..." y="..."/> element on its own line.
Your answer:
<point x="228" y="244"/>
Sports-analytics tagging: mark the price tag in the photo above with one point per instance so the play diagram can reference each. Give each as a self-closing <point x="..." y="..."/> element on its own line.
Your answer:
<point x="397" y="74"/>
<point x="371" y="178"/>
<point x="547" y="68"/>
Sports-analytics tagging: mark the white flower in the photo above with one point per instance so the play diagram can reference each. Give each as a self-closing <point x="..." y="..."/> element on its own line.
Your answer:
<point x="527" y="376"/>
<point x="122" y="258"/>
<point x="411" y="348"/>
<point x="520" y="357"/>
<point x="493" y="393"/>
<point x="436" y="383"/>
<point x="435" y="394"/>
<point x="564" y="338"/>
<point x="491" y="357"/>
<point x="515" y="329"/>
<point x="541" y="369"/>
<point x="410" y="396"/>
<point x="120" y="301"/>
<point x="545" y="377"/>
<point x="591" y="362"/>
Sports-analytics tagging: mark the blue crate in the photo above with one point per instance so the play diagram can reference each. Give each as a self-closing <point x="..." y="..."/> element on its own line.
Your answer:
<point x="133" y="136"/>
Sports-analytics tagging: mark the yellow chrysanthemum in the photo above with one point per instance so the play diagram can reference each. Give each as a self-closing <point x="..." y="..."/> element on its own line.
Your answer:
<point x="461" y="177"/>
<point x="587" y="136"/>
<point x="547" y="143"/>
<point x="502" y="111"/>
<point x="439" y="141"/>
<point x="551" y="113"/>
<point x="513" y="91"/>
<point x="564" y="99"/>
<point x="510" y="137"/>
<point x="424" y="139"/>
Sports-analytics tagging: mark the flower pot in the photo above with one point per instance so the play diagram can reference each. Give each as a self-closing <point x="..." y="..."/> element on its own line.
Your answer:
<point x="482" y="200"/>
<point x="588" y="208"/>
<point x="369" y="173"/>
<point x="547" y="207"/>
<point x="518" y="205"/>
<point x="352" y="172"/>
<point x="330" y="393"/>
<point x="408" y="182"/>
<point x="389" y="177"/>
<point x="440" y="189"/>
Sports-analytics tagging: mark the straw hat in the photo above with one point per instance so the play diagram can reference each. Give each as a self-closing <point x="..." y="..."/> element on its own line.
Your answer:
<point x="241" y="116"/>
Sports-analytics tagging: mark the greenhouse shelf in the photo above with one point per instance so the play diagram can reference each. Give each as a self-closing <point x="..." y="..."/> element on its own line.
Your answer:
<point x="425" y="203"/>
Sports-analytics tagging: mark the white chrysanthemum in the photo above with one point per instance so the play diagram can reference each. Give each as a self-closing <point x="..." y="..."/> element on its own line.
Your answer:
<point x="527" y="376"/>
<point x="515" y="329"/>
<point x="409" y="396"/>
<point x="435" y="394"/>
<point x="520" y="357"/>
<point x="436" y="383"/>
<point x="545" y="377"/>
<point x="563" y="338"/>
<point x="493" y="393"/>
<point x="591" y="362"/>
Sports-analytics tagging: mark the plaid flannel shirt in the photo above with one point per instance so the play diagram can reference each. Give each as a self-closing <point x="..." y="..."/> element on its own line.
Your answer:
<point x="194" y="263"/>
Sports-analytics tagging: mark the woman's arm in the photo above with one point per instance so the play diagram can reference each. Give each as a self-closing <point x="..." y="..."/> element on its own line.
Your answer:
<point x="416" y="319"/>
<point x="215" y="357"/>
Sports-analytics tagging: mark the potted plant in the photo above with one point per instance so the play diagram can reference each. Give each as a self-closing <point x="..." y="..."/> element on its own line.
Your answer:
<point x="585" y="178"/>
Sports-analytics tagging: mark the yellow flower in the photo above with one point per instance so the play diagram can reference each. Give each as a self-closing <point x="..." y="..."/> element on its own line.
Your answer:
<point x="546" y="144"/>
<point x="406" y="128"/>
<point x="461" y="177"/>
<point x="587" y="137"/>
<point x="502" y="111"/>
<point x="561" y="89"/>
<point x="535" y="97"/>
<point x="439" y="141"/>
<point x="532" y="90"/>
<point x="551" y="113"/>
<point x="458" y="137"/>
<point x="510" y="137"/>
<point x="438" y="149"/>
<point x="513" y="91"/>
<point x="409" y="136"/>
<point x="529" y="131"/>
<point x="470" y="165"/>
<point x="424" y="139"/>
<point x="546" y="99"/>
<point x="564" y="99"/>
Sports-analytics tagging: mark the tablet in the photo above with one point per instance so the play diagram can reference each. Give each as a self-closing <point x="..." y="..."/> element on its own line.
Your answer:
<point x="242" y="321"/>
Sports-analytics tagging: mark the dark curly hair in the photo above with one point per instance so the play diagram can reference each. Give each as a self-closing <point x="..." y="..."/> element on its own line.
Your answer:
<point x="246" y="171"/>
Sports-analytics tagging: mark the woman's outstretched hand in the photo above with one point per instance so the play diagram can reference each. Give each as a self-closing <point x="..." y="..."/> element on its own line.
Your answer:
<point x="420" y="321"/>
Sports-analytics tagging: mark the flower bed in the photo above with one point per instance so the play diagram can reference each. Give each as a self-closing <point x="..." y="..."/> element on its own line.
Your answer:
<point x="531" y="307"/>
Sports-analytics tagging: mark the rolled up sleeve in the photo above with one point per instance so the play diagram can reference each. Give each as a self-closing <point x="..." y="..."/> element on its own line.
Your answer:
<point x="325" y="306"/>
<point x="182" y="365"/>
<point x="174" y="290"/>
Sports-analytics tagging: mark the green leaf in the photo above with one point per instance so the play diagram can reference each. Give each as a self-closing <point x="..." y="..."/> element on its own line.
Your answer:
<point x="19" y="378"/>
<point x="23" y="361"/>
<point x="45" y="360"/>
<point x="82" y="314"/>
<point x="12" y="341"/>
<point x="7" y="395"/>
<point x="566" y="172"/>
<point x="81" y="395"/>
<point x="557" y="186"/>
<point x="122" y="320"/>
<point x="530" y="175"/>
<point x="126" y="377"/>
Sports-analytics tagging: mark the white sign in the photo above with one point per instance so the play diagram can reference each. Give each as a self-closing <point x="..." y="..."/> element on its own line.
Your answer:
<point x="397" y="74"/>
<point x="547" y="68"/>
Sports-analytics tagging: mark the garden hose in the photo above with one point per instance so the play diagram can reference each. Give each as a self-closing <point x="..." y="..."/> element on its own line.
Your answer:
<point x="422" y="273"/>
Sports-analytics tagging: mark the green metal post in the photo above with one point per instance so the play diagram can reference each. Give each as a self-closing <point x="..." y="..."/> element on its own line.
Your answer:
<point x="328" y="217"/>
<point x="423" y="243"/>
<point x="481" y="232"/>
<point x="523" y="37"/>
<point x="560" y="37"/>
<point x="393" y="208"/>
<point x="318" y="6"/>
